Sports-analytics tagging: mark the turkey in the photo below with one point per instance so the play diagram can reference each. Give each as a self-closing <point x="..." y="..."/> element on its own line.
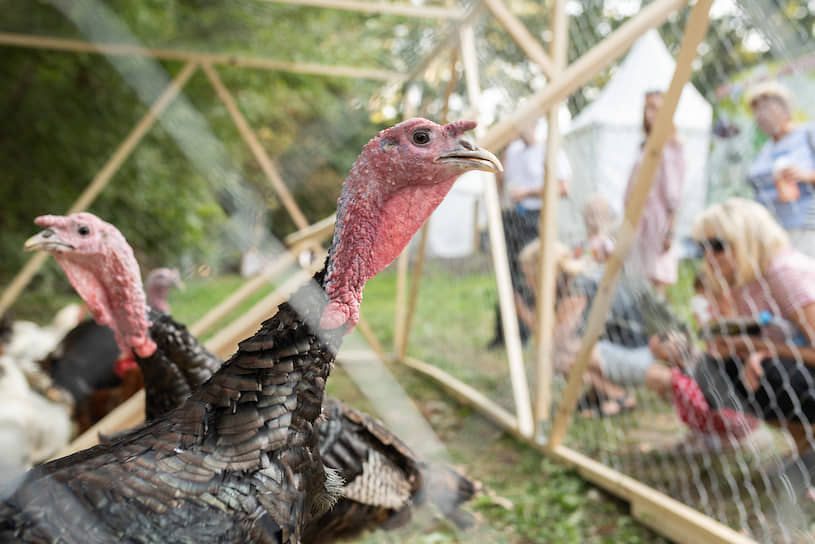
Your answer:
<point x="102" y="268"/>
<point x="383" y="478"/>
<point x="89" y="365"/>
<point x="239" y="461"/>
<point x="158" y="285"/>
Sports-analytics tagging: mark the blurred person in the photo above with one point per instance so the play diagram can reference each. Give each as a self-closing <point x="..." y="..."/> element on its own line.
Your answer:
<point x="783" y="172"/>
<point x="621" y="358"/>
<point x="521" y="184"/>
<point x="652" y="253"/>
<point x="748" y="257"/>
<point x="599" y="220"/>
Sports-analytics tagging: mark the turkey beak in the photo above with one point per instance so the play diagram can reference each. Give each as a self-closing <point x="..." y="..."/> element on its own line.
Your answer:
<point x="471" y="157"/>
<point x="47" y="240"/>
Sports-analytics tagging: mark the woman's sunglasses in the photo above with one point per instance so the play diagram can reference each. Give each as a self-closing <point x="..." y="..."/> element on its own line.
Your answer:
<point x="716" y="245"/>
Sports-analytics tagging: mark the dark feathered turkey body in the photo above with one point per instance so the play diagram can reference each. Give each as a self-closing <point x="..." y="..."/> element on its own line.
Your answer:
<point x="178" y="367"/>
<point x="236" y="462"/>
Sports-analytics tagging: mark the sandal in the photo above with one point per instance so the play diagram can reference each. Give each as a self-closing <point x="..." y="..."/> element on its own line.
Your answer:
<point x="590" y="399"/>
<point x="623" y="404"/>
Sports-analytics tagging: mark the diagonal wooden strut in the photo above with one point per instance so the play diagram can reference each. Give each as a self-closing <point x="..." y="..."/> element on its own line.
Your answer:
<point x="694" y="32"/>
<point x="101" y="180"/>
<point x="260" y="154"/>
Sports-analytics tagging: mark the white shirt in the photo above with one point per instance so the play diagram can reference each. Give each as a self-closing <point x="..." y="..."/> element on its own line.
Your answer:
<point x="523" y="169"/>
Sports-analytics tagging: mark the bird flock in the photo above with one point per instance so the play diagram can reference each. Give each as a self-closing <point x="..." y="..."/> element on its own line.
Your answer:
<point x="249" y="449"/>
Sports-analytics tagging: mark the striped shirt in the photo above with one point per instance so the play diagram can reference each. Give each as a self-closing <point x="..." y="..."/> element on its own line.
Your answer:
<point x="795" y="148"/>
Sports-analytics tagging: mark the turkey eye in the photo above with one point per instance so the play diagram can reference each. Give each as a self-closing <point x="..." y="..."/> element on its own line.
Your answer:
<point x="83" y="230"/>
<point x="421" y="137"/>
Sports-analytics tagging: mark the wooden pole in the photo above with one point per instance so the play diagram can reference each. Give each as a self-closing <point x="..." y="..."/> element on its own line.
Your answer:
<point x="448" y="42"/>
<point x="368" y="334"/>
<point x="694" y="32"/>
<point x="509" y="317"/>
<point x="415" y="283"/>
<point x="101" y="180"/>
<point x="258" y="151"/>
<point x="581" y="71"/>
<point x="547" y="267"/>
<point x="80" y="46"/>
<point x="523" y="38"/>
<point x="381" y="8"/>
<point x="470" y="60"/>
<point x="400" y="317"/>
<point x="665" y="515"/>
<point x="465" y="393"/>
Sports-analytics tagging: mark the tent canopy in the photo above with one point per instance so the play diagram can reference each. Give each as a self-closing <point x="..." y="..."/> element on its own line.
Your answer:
<point x="604" y="139"/>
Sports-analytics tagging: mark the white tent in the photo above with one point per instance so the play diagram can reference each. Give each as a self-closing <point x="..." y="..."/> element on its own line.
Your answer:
<point x="603" y="140"/>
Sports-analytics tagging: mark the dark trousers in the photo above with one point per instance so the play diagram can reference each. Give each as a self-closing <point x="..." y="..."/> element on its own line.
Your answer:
<point x="520" y="228"/>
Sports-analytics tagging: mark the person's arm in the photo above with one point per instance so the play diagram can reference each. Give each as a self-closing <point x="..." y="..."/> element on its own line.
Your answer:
<point x="672" y="172"/>
<point x="525" y="312"/>
<point x="743" y="346"/>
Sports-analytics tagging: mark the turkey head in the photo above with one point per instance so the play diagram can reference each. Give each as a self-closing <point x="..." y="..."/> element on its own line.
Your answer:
<point x="400" y="177"/>
<point x="102" y="268"/>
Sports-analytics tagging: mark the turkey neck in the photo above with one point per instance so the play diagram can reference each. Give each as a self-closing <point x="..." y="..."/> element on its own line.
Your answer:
<point x="267" y="395"/>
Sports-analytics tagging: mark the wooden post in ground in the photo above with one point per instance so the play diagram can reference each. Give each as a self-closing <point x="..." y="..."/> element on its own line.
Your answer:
<point x="545" y="302"/>
<point x="694" y="32"/>
<point x="101" y="180"/>
<point x="509" y="317"/>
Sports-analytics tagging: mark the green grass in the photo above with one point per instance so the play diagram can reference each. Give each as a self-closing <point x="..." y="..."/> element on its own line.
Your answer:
<point x="531" y="499"/>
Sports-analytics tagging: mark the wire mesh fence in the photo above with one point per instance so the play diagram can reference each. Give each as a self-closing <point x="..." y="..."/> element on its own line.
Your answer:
<point x="727" y="435"/>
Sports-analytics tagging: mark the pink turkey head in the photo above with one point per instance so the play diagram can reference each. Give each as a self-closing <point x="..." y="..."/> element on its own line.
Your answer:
<point x="158" y="285"/>
<point x="102" y="268"/>
<point x="400" y="177"/>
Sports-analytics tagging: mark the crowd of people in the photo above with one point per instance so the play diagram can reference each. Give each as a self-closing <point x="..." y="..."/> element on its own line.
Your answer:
<point x="749" y="353"/>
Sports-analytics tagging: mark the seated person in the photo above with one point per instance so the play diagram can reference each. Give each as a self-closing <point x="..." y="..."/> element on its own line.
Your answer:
<point x="748" y="258"/>
<point x="598" y="218"/>
<point x="622" y="356"/>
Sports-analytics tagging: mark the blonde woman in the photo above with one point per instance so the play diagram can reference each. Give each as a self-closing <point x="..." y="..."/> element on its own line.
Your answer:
<point x="749" y="258"/>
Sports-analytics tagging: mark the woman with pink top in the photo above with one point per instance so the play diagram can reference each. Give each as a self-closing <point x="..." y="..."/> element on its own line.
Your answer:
<point x="651" y="252"/>
<point x="748" y="259"/>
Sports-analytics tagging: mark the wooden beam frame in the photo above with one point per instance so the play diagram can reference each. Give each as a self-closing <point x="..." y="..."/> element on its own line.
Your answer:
<point x="381" y="8"/>
<point x="258" y="63"/>
<point x="581" y="71"/>
<point x="509" y="316"/>
<point x="547" y="267"/>
<point x="522" y="37"/>
<point x="652" y="154"/>
<point x="650" y="507"/>
<point x="266" y="163"/>
<point x="451" y="40"/>
<point x="102" y="179"/>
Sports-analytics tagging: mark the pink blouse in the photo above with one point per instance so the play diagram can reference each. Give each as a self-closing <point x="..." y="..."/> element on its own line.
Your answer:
<point x="786" y="288"/>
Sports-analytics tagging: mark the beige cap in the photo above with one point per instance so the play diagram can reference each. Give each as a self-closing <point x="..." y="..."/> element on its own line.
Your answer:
<point x="769" y="88"/>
